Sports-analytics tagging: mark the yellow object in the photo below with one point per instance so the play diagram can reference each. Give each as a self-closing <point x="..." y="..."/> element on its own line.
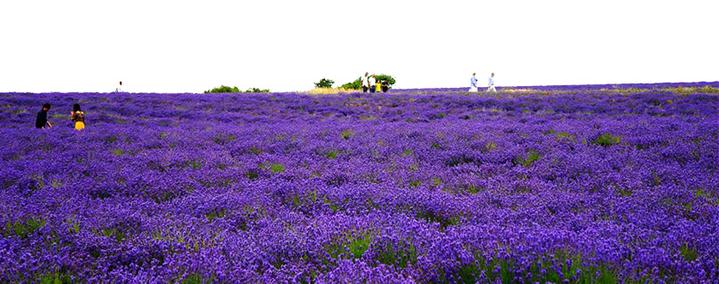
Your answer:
<point x="378" y="87"/>
<point x="79" y="125"/>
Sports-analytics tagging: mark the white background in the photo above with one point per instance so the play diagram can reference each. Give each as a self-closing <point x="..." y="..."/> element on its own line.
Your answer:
<point x="190" y="46"/>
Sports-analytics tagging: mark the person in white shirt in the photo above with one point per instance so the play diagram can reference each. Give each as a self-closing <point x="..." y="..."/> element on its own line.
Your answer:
<point x="491" y="88"/>
<point x="473" y="83"/>
<point x="365" y="82"/>
<point x="119" y="88"/>
<point x="372" y="83"/>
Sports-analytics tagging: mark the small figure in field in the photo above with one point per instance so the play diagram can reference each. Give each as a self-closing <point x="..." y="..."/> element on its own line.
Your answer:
<point x="372" y="84"/>
<point x="119" y="88"/>
<point x="491" y="88"/>
<point x="473" y="83"/>
<point x="378" y="87"/>
<point x="385" y="86"/>
<point x="78" y="117"/>
<point x="365" y="82"/>
<point x="41" y="120"/>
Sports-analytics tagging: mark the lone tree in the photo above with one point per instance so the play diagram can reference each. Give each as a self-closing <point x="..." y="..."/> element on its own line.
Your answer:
<point x="324" y="83"/>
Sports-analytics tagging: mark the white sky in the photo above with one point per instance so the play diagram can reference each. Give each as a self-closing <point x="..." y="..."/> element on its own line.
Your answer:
<point x="191" y="46"/>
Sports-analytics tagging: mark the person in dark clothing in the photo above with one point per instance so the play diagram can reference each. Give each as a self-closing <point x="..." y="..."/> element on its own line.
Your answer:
<point x="385" y="86"/>
<point x="41" y="120"/>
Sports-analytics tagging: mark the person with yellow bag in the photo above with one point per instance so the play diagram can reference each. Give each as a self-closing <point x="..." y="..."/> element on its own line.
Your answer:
<point x="78" y="117"/>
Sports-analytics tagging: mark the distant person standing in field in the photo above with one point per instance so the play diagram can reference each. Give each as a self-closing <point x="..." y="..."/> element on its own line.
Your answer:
<point x="378" y="87"/>
<point x="78" y="117"/>
<point x="491" y="88"/>
<point x="41" y="120"/>
<point x="372" y="84"/>
<point x="119" y="88"/>
<point x="365" y="82"/>
<point x="473" y="83"/>
<point x="385" y="86"/>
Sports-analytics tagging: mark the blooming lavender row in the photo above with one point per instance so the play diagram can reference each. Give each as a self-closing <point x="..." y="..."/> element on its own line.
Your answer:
<point x="577" y="184"/>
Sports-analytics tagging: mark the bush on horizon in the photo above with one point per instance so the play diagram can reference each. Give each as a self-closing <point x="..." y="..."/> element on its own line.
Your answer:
<point x="324" y="83"/>
<point x="227" y="89"/>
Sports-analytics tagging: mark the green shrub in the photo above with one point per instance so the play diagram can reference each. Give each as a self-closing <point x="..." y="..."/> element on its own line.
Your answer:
<point x="217" y="213"/>
<point x="346" y="134"/>
<point x="257" y="90"/>
<point x="277" y="168"/>
<point x="324" y="83"/>
<point x="355" y="245"/>
<point x="532" y="156"/>
<point x="23" y="229"/>
<point x="223" y="89"/>
<point x="383" y="77"/>
<point x="55" y="278"/>
<point x="398" y="255"/>
<point x="354" y="85"/>
<point x="227" y="89"/>
<point x="607" y="139"/>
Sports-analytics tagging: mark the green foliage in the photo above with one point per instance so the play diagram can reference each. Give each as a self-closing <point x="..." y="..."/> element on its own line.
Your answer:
<point x="407" y="152"/>
<point x="217" y="213"/>
<point x="23" y="229"/>
<point x="346" y="134"/>
<point x="227" y="89"/>
<point x="252" y="174"/>
<point x="55" y="278"/>
<point x="383" y="77"/>
<point x="196" y="278"/>
<point x="331" y="155"/>
<point x="358" y="246"/>
<point x="688" y="253"/>
<point x="223" y="138"/>
<point x="489" y="146"/>
<point x="357" y="84"/>
<point x="398" y="255"/>
<point x="532" y="156"/>
<point x="355" y="245"/>
<point x="114" y="233"/>
<point x="607" y="140"/>
<point x="223" y="89"/>
<point x="354" y="85"/>
<point x="443" y="221"/>
<point x="257" y="90"/>
<point x="277" y="168"/>
<point x="117" y="152"/>
<point x="324" y="83"/>
<point x="498" y="270"/>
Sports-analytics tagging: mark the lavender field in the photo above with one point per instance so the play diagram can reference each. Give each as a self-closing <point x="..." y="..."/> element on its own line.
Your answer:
<point x="587" y="184"/>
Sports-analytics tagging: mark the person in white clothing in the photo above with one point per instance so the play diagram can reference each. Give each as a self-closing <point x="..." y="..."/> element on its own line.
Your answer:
<point x="365" y="82"/>
<point x="491" y="88"/>
<point x="119" y="88"/>
<point x="372" y="83"/>
<point x="473" y="83"/>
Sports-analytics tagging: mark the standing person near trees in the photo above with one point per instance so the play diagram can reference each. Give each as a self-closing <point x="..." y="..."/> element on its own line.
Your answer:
<point x="491" y="88"/>
<point x="365" y="82"/>
<point x="41" y="120"/>
<point x="378" y="87"/>
<point x="78" y="117"/>
<point x="372" y="83"/>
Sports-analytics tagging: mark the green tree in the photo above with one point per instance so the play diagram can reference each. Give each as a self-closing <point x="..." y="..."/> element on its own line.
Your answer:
<point x="223" y="89"/>
<point x="354" y="85"/>
<point x="324" y="83"/>
<point x="384" y="77"/>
